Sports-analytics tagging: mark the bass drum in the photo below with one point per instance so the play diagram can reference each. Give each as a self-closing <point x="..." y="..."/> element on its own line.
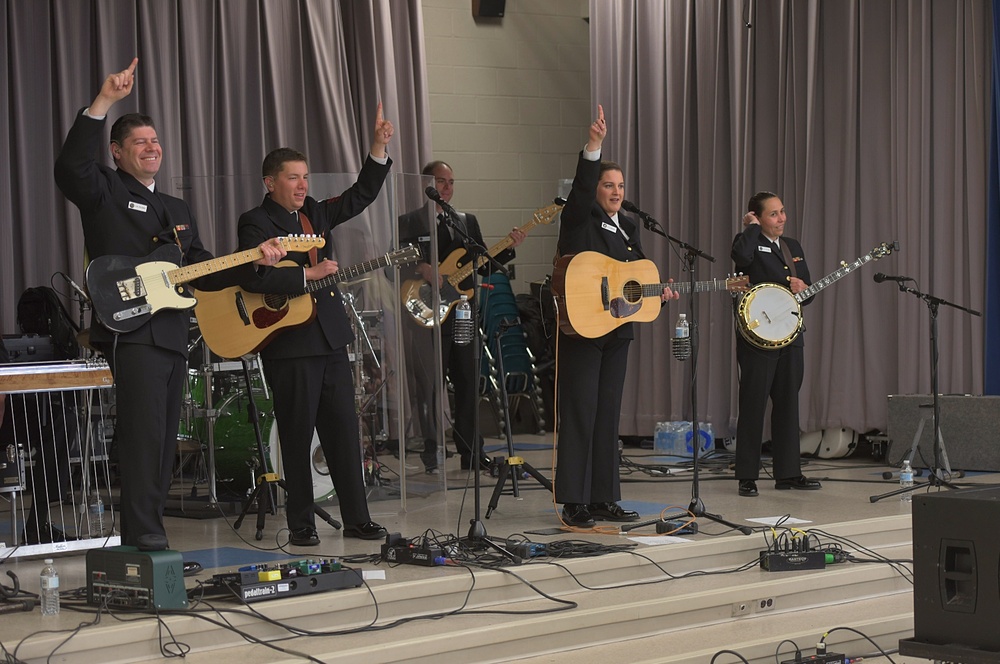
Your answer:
<point x="236" y="464"/>
<point x="321" y="481"/>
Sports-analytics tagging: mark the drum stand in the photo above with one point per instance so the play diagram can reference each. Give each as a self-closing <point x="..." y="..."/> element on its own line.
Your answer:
<point x="262" y="493"/>
<point x="937" y="475"/>
<point x="512" y="465"/>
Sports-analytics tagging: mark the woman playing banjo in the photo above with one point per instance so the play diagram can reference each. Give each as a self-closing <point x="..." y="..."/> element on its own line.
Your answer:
<point x="770" y="367"/>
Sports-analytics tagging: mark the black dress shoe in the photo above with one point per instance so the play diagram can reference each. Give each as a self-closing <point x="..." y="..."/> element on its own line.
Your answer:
<point x="191" y="568"/>
<point x="304" y="537"/>
<point x="748" y="488"/>
<point x="151" y="542"/>
<point x="365" y="531"/>
<point x="575" y="514"/>
<point x="801" y="482"/>
<point x="611" y="512"/>
<point x="484" y="462"/>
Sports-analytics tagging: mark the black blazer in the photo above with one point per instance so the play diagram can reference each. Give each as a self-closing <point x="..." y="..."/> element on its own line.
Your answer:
<point x="123" y="217"/>
<point x="585" y="226"/>
<point x="331" y="329"/>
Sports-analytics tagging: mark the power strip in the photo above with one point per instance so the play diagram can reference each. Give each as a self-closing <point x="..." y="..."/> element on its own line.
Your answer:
<point x="826" y="658"/>
<point x="789" y="561"/>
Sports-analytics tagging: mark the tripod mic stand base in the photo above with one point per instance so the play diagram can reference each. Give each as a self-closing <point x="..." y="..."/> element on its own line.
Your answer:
<point x="697" y="507"/>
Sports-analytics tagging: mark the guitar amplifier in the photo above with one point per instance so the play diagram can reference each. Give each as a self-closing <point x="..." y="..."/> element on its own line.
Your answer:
<point x="29" y="348"/>
<point x="968" y="427"/>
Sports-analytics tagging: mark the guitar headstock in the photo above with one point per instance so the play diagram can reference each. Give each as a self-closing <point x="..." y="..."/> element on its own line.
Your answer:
<point x="546" y="214"/>
<point x="738" y="284"/>
<point x="884" y="249"/>
<point x="299" y="243"/>
<point x="407" y="254"/>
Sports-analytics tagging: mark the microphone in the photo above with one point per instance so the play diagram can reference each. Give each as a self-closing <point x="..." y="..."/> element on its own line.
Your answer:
<point x="435" y="196"/>
<point x="76" y="287"/>
<point x="879" y="278"/>
<point x="647" y="220"/>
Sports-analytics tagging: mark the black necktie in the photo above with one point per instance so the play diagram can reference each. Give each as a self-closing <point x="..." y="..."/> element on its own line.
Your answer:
<point x="443" y="230"/>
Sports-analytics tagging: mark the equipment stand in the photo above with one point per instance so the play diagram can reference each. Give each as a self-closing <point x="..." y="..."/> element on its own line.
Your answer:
<point x="512" y="465"/>
<point x="262" y="492"/>
<point x="697" y="506"/>
<point x="478" y="255"/>
<point x="937" y="474"/>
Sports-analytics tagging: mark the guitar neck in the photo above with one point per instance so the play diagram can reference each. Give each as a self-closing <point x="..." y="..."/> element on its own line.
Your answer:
<point x="348" y="273"/>
<point x="829" y="279"/>
<point x="651" y="290"/>
<point x="463" y="273"/>
<point x="183" y="275"/>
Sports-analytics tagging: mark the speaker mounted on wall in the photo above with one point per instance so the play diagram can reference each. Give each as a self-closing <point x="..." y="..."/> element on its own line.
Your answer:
<point x="488" y="8"/>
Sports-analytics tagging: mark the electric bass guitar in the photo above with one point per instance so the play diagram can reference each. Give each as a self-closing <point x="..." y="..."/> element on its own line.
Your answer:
<point x="597" y="294"/>
<point x="769" y="316"/>
<point x="127" y="291"/>
<point x="418" y="295"/>
<point x="235" y="322"/>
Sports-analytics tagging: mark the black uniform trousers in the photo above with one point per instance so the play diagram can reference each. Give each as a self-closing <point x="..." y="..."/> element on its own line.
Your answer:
<point x="149" y="380"/>
<point x="591" y="379"/>
<point x="318" y="392"/>
<point x="775" y="374"/>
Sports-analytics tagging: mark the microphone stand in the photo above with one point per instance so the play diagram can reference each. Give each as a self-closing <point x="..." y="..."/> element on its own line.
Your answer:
<point x="935" y="476"/>
<point x="474" y="250"/>
<point x="696" y="506"/>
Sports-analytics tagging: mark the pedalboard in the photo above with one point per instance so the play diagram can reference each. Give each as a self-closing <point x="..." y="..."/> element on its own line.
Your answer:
<point x="401" y="551"/>
<point x="124" y="576"/>
<point x="791" y="561"/>
<point x="254" y="583"/>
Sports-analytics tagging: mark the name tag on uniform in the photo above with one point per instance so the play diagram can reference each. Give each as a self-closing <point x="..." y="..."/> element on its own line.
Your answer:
<point x="609" y="227"/>
<point x="132" y="205"/>
<point x="424" y="238"/>
<point x="763" y="248"/>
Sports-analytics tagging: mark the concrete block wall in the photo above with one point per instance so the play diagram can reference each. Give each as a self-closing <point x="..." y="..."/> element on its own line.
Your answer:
<point x="510" y="104"/>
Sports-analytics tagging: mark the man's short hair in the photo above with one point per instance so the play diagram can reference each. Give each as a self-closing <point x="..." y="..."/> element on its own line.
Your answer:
<point x="432" y="166"/>
<point x="275" y="160"/>
<point x="607" y="165"/>
<point x="124" y="125"/>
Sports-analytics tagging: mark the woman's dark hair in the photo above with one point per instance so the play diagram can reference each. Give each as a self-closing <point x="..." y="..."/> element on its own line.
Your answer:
<point x="756" y="202"/>
<point x="609" y="166"/>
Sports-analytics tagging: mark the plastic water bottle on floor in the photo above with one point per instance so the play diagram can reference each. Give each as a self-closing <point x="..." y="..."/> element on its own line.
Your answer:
<point x="906" y="481"/>
<point x="96" y="515"/>
<point x="49" y="581"/>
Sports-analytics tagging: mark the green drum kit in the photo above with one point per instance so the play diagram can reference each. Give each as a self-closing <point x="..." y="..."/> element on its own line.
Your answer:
<point x="215" y="422"/>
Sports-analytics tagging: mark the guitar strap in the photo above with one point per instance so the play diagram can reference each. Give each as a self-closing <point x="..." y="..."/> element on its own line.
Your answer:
<point x="307" y="227"/>
<point x="788" y="258"/>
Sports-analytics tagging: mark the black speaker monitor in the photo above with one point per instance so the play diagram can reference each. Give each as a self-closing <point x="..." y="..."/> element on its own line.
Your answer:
<point x="488" y="8"/>
<point x="956" y="574"/>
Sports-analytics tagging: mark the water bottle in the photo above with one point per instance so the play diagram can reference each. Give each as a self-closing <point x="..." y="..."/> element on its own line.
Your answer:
<point x="96" y="515"/>
<point x="49" y="581"/>
<point x="906" y="481"/>
<point x="682" y="338"/>
<point x="463" y="322"/>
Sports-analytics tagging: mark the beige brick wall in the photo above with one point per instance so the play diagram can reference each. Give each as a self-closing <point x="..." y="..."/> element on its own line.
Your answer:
<point x="509" y="103"/>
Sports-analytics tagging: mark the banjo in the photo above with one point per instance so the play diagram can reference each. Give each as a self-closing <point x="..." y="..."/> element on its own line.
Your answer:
<point x="769" y="316"/>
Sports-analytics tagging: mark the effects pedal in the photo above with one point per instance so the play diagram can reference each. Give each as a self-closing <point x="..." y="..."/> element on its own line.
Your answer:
<point x="400" y="551"/>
